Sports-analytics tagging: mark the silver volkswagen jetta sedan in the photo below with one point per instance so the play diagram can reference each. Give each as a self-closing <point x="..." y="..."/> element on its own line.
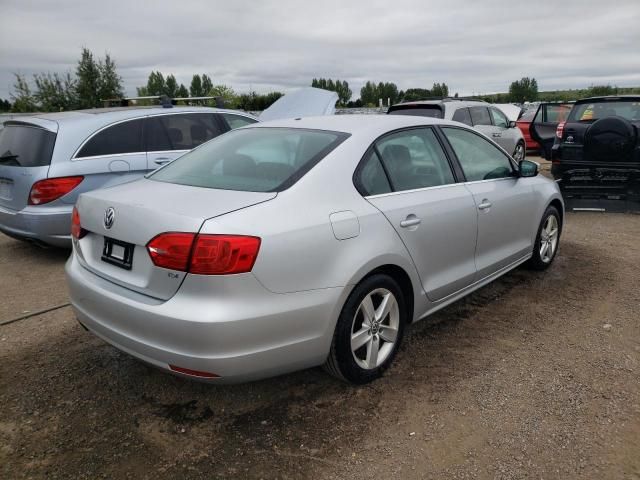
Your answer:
<point x="296" y="243"/>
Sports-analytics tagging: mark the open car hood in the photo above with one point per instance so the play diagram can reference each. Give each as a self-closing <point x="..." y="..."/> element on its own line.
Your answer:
<point x="511" y="111"/>
<point x="306" y="102"/>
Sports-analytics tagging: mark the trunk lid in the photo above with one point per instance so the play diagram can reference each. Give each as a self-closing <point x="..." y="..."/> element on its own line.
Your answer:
<point x="26" y="150"/>
<point x="141" y="211"/>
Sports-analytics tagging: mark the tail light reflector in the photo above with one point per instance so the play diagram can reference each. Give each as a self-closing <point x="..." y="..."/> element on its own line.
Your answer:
<point x="77" y="231"/>
<point x="560" y="130"/>
<point x="50" y="189"/>
<point x="204" y="254"/>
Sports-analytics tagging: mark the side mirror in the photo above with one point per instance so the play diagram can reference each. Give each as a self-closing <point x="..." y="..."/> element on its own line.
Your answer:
<point x="528" y="168"/>
<point x="512" y="124"/>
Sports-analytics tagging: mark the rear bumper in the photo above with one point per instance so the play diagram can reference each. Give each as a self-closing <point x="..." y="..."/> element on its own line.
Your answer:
<point x="50" y="225"/>
<point x="230" y="326"/>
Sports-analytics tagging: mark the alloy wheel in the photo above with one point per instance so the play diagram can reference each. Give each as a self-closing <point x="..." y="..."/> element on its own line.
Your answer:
<point x="374" y="330"/>
<point x="549" y="239"/>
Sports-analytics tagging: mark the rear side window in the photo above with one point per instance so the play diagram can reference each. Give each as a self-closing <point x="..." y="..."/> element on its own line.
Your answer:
<point x="371" y="178"/>
<point x="180" y="132"/>
<point x="254" y="159"/>
<point x="24" y="145"/>
<point x="462" y="115"/>
<point x="414" y="159"/>
<point x="433" y="111"/>
<point x="479" y="158"/>
<point x="121" y="138"/>
<point x="589" y="112"/>
<point x="237" y="121"/>
<point x="480" y="116"/>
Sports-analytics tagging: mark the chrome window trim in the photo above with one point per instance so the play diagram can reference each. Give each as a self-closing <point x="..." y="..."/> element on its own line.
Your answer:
<point x="75" y="157"/>
<point x="169" y="151"/>
<point x="415" y="190"/>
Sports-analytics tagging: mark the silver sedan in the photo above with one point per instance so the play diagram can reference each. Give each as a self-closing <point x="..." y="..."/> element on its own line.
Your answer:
<point x="315" y="241"/>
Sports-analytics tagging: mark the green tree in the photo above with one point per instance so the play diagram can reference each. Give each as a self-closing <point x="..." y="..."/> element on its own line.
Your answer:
<point x="601" y="90"/>
<point x="523" y="90"/>
<point x="5" y="105"/>
<point x="207" y="85"/>
<point x="88" y="81"/>
<point x="196" y="86"/>
<point x="110" y="83"/>
<point x="370" y="93"/>
<point x="23" y="99"/>
<point x="182" y="91"/>
<point x="440" y="90"/>
<point x="228" y="95"/>
<point x="54" y="92"/>
<point x="156" y="84"/>
<point x="171" y="86"/>
<point x="413" y="94"/>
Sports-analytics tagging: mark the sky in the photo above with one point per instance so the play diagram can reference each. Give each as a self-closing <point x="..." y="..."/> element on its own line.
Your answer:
<point x="473" y="46"/>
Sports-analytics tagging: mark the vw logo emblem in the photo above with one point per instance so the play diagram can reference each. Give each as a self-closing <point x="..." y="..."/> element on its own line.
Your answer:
<point x="109" y="217"/>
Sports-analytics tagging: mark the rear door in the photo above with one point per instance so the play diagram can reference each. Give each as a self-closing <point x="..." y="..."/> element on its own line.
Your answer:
<point x="25" y="155"/>
<point x="507" y="137"/>
<point x="481" y="119"/>
<point x="545" y="123"/>
<point x="505" y="205"/>
<point x="434" y="216"/>
<point x="168" y="137"/>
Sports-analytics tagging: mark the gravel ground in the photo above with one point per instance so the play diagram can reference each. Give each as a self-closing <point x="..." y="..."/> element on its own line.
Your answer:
<point x="535" y="376"/>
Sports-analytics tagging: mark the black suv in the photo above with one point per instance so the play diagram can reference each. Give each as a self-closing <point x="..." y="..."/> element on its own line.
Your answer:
<point x="595" y="154"/>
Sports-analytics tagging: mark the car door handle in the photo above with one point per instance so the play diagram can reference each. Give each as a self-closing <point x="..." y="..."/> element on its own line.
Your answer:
<point x="411" y="221"/>
<point x="161" y="160"/>
<point x="486" y="204"/>
<point x="496" y="135"/>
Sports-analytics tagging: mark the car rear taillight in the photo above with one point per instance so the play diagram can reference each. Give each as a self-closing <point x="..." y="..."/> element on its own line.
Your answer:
<point x="77" y="231"/>
<point x="560" y="130"/>
<point x="204" y="254"/>
<point x="45" y="191"/>
<point x="171" y="250"/>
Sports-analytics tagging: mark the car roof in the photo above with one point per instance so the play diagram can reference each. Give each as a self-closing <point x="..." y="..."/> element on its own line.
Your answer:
<point x="356" y="124"/>
<point x="98" y="117"/>
<point x="610" y="98"/>
<point x="452" y="101"/>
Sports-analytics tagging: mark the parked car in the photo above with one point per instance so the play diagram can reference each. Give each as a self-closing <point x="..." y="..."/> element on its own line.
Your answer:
<point x="480" y="115"/>
<point x="551" y="114"/>
<point x="47" y="160"/>
<point x="595" y="154"/>
<point x="289" y="244"/>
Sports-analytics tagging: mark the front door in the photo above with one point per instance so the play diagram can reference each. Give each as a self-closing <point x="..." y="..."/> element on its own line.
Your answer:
<point x="434" y="216"/>
<point x="504" y="205"/>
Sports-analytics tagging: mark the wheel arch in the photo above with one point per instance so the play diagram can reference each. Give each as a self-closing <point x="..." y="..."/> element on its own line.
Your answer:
<point x="558" y="205"/>
<point x="403" y="279"/>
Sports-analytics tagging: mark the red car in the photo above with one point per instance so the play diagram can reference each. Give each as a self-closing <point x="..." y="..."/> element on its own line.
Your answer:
<point x="553" y="113"/>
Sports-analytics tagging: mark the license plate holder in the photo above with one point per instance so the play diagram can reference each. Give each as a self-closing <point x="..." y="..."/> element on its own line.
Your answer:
<point x="118" y="253"/>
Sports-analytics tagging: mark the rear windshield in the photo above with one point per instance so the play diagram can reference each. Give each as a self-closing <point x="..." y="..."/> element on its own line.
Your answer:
<point x="433" y="111"/>
<point x="26" y="145"/>
<point x="252" y="159"/>
<point x="589" y="112"/>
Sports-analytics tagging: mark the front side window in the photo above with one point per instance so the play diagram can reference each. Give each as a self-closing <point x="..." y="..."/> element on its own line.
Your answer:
<point x="414" y="159"/>
<point x="253" y="159"/>
<point x="237" y="121"/>
<point x="478" y="157"/>
<point x="180" y="131"/>
<point x="118" y="139"/>
<point x="462" y="115"/>
<point x="480" y="116"/>
<point x="499" y="118"/>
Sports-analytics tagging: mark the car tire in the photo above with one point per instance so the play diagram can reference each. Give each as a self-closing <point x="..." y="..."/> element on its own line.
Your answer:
<point x="368" y="333"/>
<point x="520" y="152"/>
<point x="547" y="240"/>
